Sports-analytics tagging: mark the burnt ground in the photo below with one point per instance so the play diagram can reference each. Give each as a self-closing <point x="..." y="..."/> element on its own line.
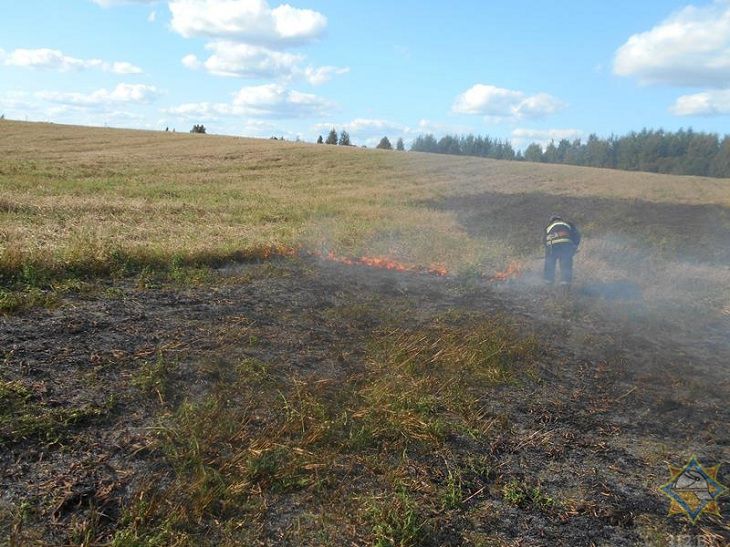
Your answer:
<point x="612" y="398"/>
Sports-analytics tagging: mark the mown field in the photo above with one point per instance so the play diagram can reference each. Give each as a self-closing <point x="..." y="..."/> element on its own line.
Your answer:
<point x="79" y="202"/>
<point x="181" y="367"/>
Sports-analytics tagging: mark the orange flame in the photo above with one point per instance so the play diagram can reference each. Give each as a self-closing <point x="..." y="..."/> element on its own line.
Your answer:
<point x="385" y="263"/>
<point x="514" y="270"/>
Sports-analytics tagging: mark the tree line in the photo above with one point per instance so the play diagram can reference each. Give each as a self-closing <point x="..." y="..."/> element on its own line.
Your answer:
<point x="343" y="139"/>
<point x="465" y="145"/>
<point x="684" y="152"/>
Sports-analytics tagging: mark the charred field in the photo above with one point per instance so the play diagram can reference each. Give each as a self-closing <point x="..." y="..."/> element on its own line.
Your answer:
<point x="184" y="362"/>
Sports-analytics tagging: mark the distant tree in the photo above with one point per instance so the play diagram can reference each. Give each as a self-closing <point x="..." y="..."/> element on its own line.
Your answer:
<point x="598" y="152"/>
<point x="2" y="116"/>
<point x="449" y="144"/>
<point x="167" y="130"/>
<point x="424" y="143"/>
<point x="507" y="152"/>
<point x="551" y="153"/>
<point x="533" y="152"/>
<point x="684" y="152"/>
<point x="320" y="140"/>
<point x="563" y="147"/>
<point x="198" y="129"/>
<point x="702" y="150"/>
<point x="399" y="144"/>
<point x="332" y="137"/>
<point x="721" y="162"/>
<point x="344" y="139"/>
<point x="384" y="144"/>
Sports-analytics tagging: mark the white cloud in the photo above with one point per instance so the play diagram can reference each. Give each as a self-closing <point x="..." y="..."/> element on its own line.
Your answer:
<point x="501" y="103"/>
<point x="246" y="61"/>
<point x="263" y="101"/>
<point x="322" y="74"/>
<point x="246" y="21"/>
<point x="124" y="67"/>
<point x="152" y="17"/>
<point x="707" y="103"/>
<point x="108" y="3"/>
<point x="201" y="111"/>
<point x="364" y="129"/>
<point x="251" y="61"/>
<point x="13" y="101"/>
<point x="369" y="131"/>
<point x="274" y="100"/>
<point x="123" y="93"/>
<point x="37" y="107"/>
<point x="521" y="137"/>
<point x="438" y="128"/>
<point x="690" y="48"/>
<point x="192" y="62"/>
<point x="53" y="59"/>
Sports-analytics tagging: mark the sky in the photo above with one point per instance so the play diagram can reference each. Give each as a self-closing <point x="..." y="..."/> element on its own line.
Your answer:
<point x="528" y="71"/>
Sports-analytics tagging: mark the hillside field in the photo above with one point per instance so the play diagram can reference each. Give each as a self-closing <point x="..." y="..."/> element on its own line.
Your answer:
<point x="194" y="351"/>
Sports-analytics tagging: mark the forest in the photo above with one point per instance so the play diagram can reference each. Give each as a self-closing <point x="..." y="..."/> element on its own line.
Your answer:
<point x="684" y="152"/>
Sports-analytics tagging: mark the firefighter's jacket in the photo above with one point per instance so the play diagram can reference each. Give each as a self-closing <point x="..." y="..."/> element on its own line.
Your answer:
<point x="560" y="232"/>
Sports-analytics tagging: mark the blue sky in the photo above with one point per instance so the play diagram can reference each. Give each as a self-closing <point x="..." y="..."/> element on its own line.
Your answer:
<point x="523" y="70"/>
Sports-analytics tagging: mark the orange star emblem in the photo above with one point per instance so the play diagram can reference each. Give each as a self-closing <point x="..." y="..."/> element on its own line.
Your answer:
<point x="693" y="490"/>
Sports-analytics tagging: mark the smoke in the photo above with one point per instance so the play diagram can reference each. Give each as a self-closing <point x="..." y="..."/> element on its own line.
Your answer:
<point x="623" y="287"/>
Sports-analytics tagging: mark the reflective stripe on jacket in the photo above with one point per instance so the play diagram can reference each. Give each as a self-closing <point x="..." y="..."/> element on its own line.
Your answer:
<point x="560" y="232"/>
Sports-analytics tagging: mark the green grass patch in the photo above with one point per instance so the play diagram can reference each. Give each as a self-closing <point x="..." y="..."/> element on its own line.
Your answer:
<point x="261" y="435"/>
<point x="520" y="494"/>
<point x="396" y="521"/>
<point x="23" y="418"/>
<point x="156" y="377"/>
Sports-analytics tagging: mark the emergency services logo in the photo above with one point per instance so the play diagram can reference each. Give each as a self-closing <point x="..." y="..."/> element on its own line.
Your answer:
<point x="693" y="490"/>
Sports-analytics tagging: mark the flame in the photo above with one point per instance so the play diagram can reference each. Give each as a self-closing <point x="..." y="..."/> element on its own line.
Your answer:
<point x="266" y="252"/>
<point x="272" y="250"/>
<point x="513" y="270"/>
<point x="384" y="263"/>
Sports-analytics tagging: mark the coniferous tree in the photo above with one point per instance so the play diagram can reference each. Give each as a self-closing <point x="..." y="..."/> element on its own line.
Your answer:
<point x="320" y="140"/>
<point x="684" y="152"/>
<point x="551" y="153"/>
<point x="424" y="143"/>
<point x="563" y="147"/>
<point x="332" y="137"/>
<point x="344" y="139"/>
<point x="720" y="166"/>
<point x="384" y="144"/>
<point x="399" y="145"/>
<point x="533" y="152"/>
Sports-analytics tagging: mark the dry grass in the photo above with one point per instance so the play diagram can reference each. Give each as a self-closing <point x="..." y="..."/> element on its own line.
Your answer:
<point x="346" y="448"/>
<point x="86" y="202"/>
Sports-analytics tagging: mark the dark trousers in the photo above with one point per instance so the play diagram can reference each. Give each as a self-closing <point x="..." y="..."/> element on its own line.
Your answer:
<point x="563" y="253"/>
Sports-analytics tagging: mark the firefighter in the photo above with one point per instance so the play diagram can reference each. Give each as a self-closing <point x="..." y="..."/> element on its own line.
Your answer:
<point x="561" y="239"/>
